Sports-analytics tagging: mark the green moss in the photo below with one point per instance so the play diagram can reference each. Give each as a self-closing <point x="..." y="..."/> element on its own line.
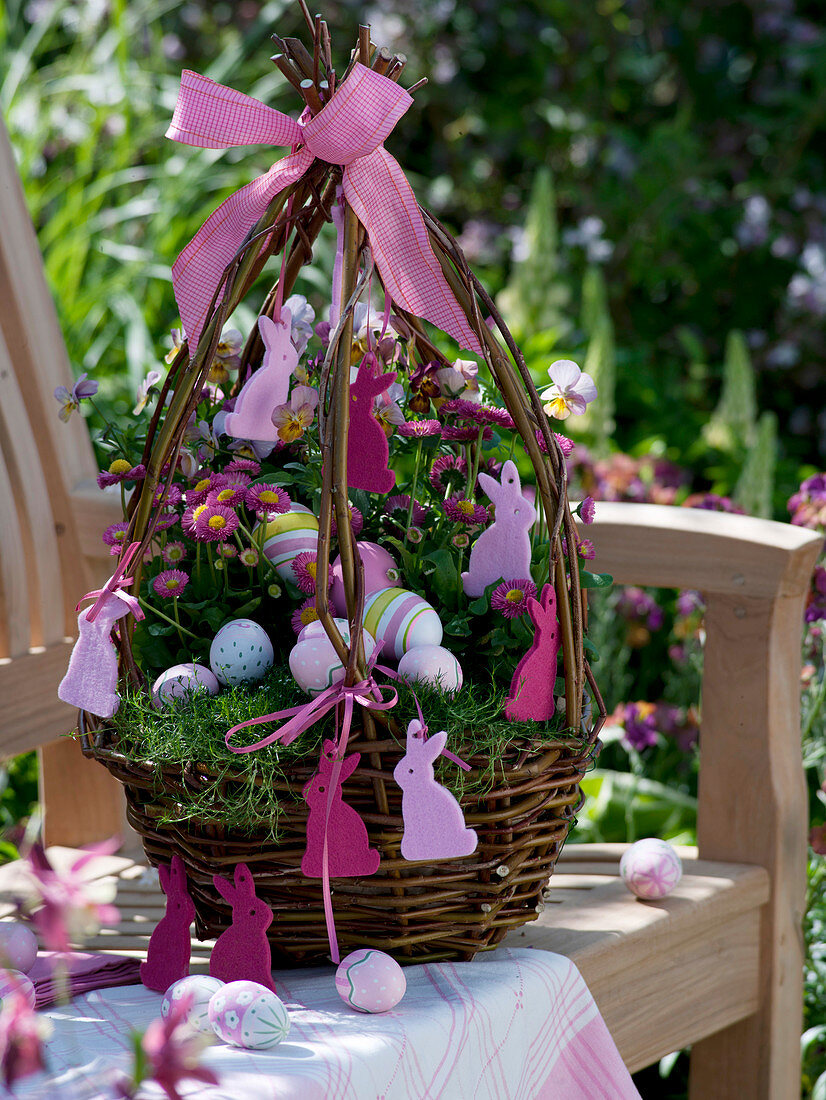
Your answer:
<point x="193" y="729"/>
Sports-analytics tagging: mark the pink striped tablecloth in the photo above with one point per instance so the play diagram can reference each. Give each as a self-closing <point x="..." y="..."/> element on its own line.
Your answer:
<point x="512" y="1025"/>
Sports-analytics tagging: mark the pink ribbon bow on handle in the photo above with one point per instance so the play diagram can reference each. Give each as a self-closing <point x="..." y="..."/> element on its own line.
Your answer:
<point x="114" y="587"/>
<point x="350" y="131"/>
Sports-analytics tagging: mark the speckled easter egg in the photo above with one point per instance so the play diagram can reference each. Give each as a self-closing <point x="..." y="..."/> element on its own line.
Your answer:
<point x="249" y="1015"/>
<point x="241" y="651"/>
<point x="402" y="619"/>
<point x="288" y="535"/>
<point x="314" y="663"/>
<point x="18" y="946"/>
<point x="201" y="988"/>
<point x="370" y="981"/>
<point x="11" y="980"/>
<point x="377" y="561"/>
<point x="431" y="664"/>
<point x="651" y="869"/>
<point x="181" y="680"/>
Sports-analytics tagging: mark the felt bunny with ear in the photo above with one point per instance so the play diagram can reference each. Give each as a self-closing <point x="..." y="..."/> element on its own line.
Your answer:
<point x="349" y="854"/>
<point x="367" y="448"/>
<point x="531" y="695"/>
<point x="434" y="826"/>
<point x="167" y="958"/>
<point x="503" y="551"/>
<point x="243" y="951"/>
<point x="268" y="386"/>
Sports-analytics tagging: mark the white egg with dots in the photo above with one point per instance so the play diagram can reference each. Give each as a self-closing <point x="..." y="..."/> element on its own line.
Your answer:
<point x="200" y="988"/>
<point x="241" y="652"/>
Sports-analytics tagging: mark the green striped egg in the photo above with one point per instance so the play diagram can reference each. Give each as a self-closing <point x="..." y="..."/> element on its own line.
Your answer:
<point x="402" y="620"/>
<point x="288" y="535"/>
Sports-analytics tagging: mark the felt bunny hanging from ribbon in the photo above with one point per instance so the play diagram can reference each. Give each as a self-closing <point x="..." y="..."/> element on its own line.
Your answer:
<point x="350" y="131"/>
<point x="92" y="676"/>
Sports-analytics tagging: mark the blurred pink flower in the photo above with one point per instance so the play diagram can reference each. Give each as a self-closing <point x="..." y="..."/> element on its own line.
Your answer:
<point x="22" y="1033"/>
<point x="173" y="1048"/>
<point x="65" y="905"/>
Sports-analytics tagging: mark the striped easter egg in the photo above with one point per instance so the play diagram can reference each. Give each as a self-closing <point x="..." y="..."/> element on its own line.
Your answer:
<point x="402" y="619"/>
<point x="289" y="535"/>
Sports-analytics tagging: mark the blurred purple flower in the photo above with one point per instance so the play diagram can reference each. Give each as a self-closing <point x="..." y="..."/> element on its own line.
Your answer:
<point x="22" y="1033"/>
<point x="66" y="905"/>
<point x="70" y="399"/>
<point x="173" y="1048"/>
<point x="640" y="726"/>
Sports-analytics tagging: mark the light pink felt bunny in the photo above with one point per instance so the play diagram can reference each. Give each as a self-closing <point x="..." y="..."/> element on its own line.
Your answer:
<point x="268" y="386"/>
<point x="434" y="825"/>
<point x="367" y="448"/>
<point x="349" y="854"/>
<point x="531" y="696"/>
<point x="243" y="951"/>
<point x="92" y="675"/>
<point x="503" y="551"/>
<point x="167" y="958"/>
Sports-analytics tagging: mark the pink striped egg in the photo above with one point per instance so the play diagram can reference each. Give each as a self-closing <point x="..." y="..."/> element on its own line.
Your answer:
<point x="377" y="563"/>
<point x="314" y="663"/>
<point x="651" y="869"/>
<point x="288" y="535"/>
<point x="402" y="620"/>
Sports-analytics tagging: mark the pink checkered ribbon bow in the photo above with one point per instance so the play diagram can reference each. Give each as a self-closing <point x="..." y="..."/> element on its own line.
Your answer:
<point x="350" y="131"/>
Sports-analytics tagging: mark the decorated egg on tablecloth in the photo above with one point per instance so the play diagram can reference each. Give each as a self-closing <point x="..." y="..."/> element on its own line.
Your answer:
<point x="377" y="562"/>
<point x="651" y="869"/>
<point x="247" y="1014"/>
<point x="370" y="981"/>
<point x="18" y="946"/>
<point x="201" y="987"/>
<point x="288" y="535"/>
<point x="241" y="651"/>
<point x="314" y="663"/>
<point x="431" y="664"/>
<point x="181" y="680"/>
<point x="14" y="980"/>
<point x="402" y="619"/>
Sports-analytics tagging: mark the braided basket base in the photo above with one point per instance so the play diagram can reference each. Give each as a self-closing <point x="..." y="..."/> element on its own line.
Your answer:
<point x="417" y="912"/>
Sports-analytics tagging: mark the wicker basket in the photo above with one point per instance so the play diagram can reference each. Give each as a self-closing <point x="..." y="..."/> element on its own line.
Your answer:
<point x="416" y="911"/>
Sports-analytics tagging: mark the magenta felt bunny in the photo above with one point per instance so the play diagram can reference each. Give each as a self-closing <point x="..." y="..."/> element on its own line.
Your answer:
<point x="268" y="386"/>
<point x="243" y="951"/>
<point x="503" y="551"/>
<point x="367" y="447"/>
<point x="434" y="825"/>
<point x="92" y="675"/>
<point x="531" y="696"/>
<point x="170" y="945"/>
<point x="349" y="854"/>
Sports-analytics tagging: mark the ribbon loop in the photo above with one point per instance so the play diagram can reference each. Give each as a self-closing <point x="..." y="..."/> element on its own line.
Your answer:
<point x="114" y="587"/>
<point x="213" y="116"/>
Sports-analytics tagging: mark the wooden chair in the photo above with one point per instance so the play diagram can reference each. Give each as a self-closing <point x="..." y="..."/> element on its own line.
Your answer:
<point x="717" y="965"/>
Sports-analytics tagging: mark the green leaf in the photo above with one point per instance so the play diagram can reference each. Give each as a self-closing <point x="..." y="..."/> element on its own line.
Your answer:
<point x="246" y="608"/>
<point x="160" y="630"/>
<point x="480" y="606"/>
<point x="217" y="616"/>
<point x="594" y="580"/>
<point x="458" y="627"/>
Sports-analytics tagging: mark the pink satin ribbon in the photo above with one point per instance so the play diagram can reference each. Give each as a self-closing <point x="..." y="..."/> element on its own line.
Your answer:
<point x="114" y="587"/>
<point x="350" y="131"/>
<point x="367" y="693"/>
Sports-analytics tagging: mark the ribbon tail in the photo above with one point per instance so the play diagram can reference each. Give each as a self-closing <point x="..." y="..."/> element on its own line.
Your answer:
<point x="383" y="200"/>
<point x="198" y="272"/>
<point x="212" y="116"/>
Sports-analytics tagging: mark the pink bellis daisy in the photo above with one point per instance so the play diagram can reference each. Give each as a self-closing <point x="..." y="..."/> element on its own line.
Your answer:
<point x="587" y="510"/>
<point x="566" y="445"/>
<point x="173" y="553"/>
<point x="304" y="615"/>
<point x="294" y="417"/>
<point x="190" y="518"/>
<point x="243" y="466"/>
<point x="169" y="583"/>
<point x="115" y="536"/>
<point x="420" y="429"/>
<point x="510" y="598"/>
<point x="163" y="521"/>
<point x="216" y="523"/>
<point x="477" y="414"/>
<point x="356" y="521"/>
<point x="206" y="482"/>
<point x="458" y="433"/>
<point x="249" y="557"/>
<point x="168" y="495"/>
<point x="571" y="390"/>
<point x="398" y="508"/>
<point x="267" y="499"/>
<point x="460" y="510"/>
<point x="70" y="399"/>
<point x="304" y="567"/>
<point x="120" y="470"/>
<point x="448" y="472"/>
<point x="232" y="493"/>
<point x="226" y="550"/>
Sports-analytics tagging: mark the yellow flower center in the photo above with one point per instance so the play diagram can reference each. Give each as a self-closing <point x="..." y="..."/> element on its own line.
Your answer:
<point x="225" y="495"/>
<point x="172" y="584"/>
<point x="311" y="567"/>
<point x="217" y="523"/>
<point x="269" y="496"/>
<point x="514" y="595"/>
<point x="308" y="615"/>
<point x="202" y="484"/>
<point x="120" y="536"/>
<point x="198" y="510"/>
<point x="465" y="507"/>
<point x="119" y="466"/>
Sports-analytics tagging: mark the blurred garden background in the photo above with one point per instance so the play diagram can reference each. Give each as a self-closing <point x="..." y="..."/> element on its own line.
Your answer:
<point x="642" y="184"/>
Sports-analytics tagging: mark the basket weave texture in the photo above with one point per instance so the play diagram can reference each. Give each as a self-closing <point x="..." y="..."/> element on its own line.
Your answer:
<point x="418" y="912"/>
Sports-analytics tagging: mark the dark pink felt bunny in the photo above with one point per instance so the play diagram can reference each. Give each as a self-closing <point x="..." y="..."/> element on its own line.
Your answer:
<point x="434" y="825"/>
<point x="170" y="945"/>
<point x="243" y="951"/>
<point x="531" y="696"/>
<point x="367" y="447"/>
<point x="268" y="386"/>
<point x="349" y="854"/>
<point x="503" y="551"/>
